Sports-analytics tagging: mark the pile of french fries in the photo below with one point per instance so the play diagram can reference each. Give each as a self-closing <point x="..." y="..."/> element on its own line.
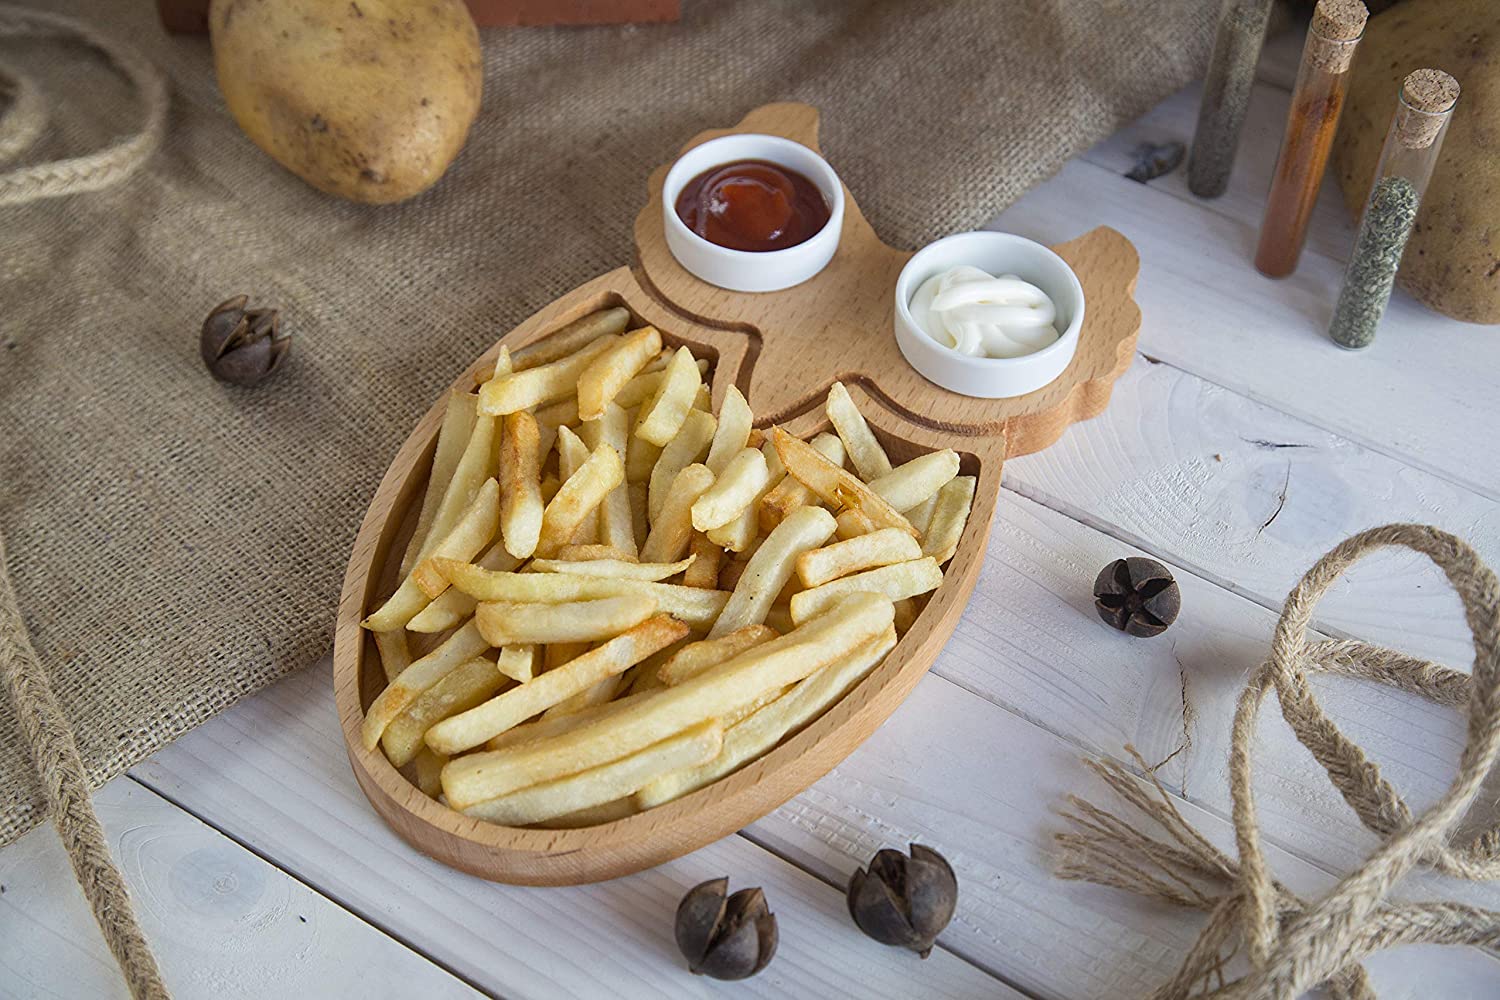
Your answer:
<point x="613" y="597"/>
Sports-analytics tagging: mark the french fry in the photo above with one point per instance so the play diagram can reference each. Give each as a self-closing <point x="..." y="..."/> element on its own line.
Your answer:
<point x="771" y="567"/>
<point x="645" y="385"/>
<point x="703" y="399"/>
<point x="548" y="383"/>
<point x="730" y="573"/>
<point x="759" y="732"/>
<point x="429" y="772"/>
<point x="915" y="481"/>
<point x="394" y="654"/>
<point x="604" y="377"/>
<point x="851" y="623"/>
<point x="742" y="533"/>
<point x="609" y="812"/>
<point x="578" y="497"/>
<point x="906" y="615"/>
<point x="703" y="571"/>
<point x="460" y="647"/>
<point x="686" y="448"/>
<point x="453" y="435"/>
<point x="696" y="657"/>
<point x="920" y="516"/>
<point x="563" y="413"/>
<point x="453" y="606"/>
<point x="466" y="538"/>
<point x="865" y="452"/>
<point x="878" y="548"/>
<point x="853" y="523"/>
<point x="475" y="465"/>
<point x="948" y="519"/>
<point x="592" y="551"/>
<point x="601" y="693"/>
<point x="662" y="417"/>
<point x="572" y="453"/>
<point x="517" y="662"/>
<point x="743" y="479"/>
<point x="789" y="494"/>
<point x="471" y="533"/>
<point x="836" y="487"/>
<point x="507" y="622"/>
<point x="697" y="607"/>
<point x="495" y="716"/>
<point x="619" y="568"/>
<point x="733" y="431"/>
<point x="898" y="580"/>
<point x="672" y="529"/>
<point x="603" y="784"/>
<point x="615" y="528"/>
<point x="467" y="685"/>
<point x="549" y="726"/>
<point x="640" y="460"/>
<point x="521" y="504"/>
<point x="568" y="339"/>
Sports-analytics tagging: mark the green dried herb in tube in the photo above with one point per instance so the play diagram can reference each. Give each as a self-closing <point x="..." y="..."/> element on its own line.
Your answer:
<point x="1411" y="149"/>
<point x="1226" y="94"/>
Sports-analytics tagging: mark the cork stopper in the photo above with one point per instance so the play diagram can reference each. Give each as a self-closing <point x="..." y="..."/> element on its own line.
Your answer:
<point x="1336" y="29"/>
<point x="1427" y="99"/>
<point x="1340" y="20"/>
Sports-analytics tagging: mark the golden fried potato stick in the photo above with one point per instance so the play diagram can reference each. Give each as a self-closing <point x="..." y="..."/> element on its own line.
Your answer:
<point x="460" y="647"/>
<point x="615" y="527"/>
<point x="521" y="504"/>
<point x="548" y="383"/>
<point x="733" y="433"/>
<point x="758" y="733"/>
<point x="607" y="374"/>
<point x="662" y="417"/>
<point x="672" y="529"/>
<point x="394" y="654"/>
<point x="467" y="537"/>
<point x="948" y="519"/>
<point x="686" y="448"/>
<point x="640" y="389"/>
<point x="453" y="606"/>
<point x="789" y="494"/>
<point x="473" y="778"/>
<point x="569" y="339"/>
<point x="607" y="783"/>
<point x="865" y="452"/>
<point x="917" y="480"/>
<point x="697" y="607"/>
<point x="453" y="436"/>
<point x="651" y="572"/>
<point x="769" y="570"/>
<point x="703" y="571"/>
<point x="696" y="657"/>
<point x="506" y="623"/>
<point x="579" y="497"/>
<point x="493" y="717"/>
<point x="467" y="685"/>
<point x="878" y="548"/>
<point x="836" y="487"/>
<point x="735" y="489"/>
<point x="896" y="581"/>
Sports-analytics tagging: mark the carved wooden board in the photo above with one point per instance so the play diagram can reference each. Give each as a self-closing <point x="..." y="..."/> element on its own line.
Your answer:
<point x="783" y="349"/>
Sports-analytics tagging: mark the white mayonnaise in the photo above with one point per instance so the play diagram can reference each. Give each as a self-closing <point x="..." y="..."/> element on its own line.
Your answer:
<point x="978" y="314"/>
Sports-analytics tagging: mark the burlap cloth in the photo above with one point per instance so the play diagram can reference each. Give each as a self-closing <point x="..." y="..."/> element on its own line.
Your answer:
<point x="176" y="543"/>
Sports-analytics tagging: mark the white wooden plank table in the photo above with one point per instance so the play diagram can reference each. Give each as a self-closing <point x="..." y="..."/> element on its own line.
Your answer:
<point x="1239" y="446"/>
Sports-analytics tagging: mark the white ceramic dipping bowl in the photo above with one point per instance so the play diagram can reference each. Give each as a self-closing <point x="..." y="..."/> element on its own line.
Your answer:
<point x="744" y="270"/>
<point x="997" y="253"/>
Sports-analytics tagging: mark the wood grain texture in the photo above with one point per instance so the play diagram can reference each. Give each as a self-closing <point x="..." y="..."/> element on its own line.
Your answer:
<point x="223" y="923"/>
<point x="785" y="349"/>
<point x="271" y="773"/>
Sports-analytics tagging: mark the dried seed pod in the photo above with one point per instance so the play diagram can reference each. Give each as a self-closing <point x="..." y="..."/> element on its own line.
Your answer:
<point x="904" y="901"/>
<point x="725" y="938"/>
<point x="1137" y="596"/>
<point x="243" y="346"/>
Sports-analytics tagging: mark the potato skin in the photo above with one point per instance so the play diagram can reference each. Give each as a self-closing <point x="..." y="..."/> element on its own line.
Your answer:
<point x="369" y="100"/>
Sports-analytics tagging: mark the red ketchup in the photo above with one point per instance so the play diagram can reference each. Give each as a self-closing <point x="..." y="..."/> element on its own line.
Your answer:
<point x="752" y="205"/>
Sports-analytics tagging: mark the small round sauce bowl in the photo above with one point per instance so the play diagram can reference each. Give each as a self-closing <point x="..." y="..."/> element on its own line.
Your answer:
<point x="745" y="270"/>
<point x="997" y="253"/>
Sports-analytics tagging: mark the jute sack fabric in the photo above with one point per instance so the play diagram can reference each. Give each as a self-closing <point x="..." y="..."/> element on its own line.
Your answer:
<point x="176" y="544"/>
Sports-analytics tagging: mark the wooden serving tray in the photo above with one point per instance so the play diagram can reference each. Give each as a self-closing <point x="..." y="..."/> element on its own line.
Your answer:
<point x="783" y="349"/>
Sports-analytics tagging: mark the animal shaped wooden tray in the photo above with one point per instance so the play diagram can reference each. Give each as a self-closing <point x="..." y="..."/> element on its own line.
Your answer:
<point x="783" y="350"/>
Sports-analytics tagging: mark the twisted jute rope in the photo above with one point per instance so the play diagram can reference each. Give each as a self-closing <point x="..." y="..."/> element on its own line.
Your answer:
<point x="65" y="785"/>
<point x="1293" y="945"/>
<point x="25" y="116"/>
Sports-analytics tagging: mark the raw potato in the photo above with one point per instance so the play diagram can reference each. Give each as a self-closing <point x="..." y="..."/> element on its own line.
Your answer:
<point x="369" y="100"/>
